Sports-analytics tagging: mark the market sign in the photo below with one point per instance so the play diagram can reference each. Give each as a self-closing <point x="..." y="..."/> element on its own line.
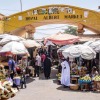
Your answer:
<point x="54" y="13"/>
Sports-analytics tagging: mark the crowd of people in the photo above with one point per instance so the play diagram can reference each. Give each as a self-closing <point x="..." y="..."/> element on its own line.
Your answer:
<point x="19" y="69"/>
<point x="42" y="61"/>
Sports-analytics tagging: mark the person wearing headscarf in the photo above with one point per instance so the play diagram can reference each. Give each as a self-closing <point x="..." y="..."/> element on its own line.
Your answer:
<point x="47" y="67"/>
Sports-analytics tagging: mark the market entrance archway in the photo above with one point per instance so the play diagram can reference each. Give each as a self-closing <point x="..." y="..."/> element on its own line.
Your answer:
<point x="53" y="14"/>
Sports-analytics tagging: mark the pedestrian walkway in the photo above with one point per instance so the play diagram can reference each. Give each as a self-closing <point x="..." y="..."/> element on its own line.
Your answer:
<point x="43" y="89"/>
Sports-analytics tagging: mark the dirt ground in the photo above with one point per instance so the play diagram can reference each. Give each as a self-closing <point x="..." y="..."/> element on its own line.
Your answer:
<point x="43" y="89"/>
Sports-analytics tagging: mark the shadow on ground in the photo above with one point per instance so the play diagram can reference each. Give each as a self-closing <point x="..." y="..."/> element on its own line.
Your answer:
<point x="69" y="90"/>
<point x="52" y="75"/>
<point x="29" y="80"/>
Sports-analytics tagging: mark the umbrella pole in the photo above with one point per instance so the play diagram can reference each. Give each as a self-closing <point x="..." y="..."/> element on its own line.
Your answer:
<point x="79" y="61"/>
<point x="99" y="62"/>
<point x="16" y="58"/>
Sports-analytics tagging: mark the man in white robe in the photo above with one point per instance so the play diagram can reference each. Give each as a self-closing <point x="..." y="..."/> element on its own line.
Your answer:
<point x="65" y="75"/>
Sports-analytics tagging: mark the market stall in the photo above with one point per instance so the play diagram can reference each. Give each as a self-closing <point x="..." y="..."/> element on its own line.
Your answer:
<point x="62" y="39"/>
<point x="95" y="45"/>
<point x="6" y="90"/>
<point x="80" y="77"/>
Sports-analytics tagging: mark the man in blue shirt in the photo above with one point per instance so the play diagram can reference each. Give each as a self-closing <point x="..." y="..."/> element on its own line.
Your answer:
<point x="11" y="64"/>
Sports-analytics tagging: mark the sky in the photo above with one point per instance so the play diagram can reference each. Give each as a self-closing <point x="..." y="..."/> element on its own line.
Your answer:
<point x="8" y="7"/>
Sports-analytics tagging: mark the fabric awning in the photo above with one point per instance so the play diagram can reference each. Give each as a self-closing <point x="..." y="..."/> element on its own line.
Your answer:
<point x="63" y="39"/>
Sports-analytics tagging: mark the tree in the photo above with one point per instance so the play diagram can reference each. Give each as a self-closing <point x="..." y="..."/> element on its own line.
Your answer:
<point x="71" y="30"/>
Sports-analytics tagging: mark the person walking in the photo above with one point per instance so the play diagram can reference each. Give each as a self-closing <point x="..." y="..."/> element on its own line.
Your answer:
<point x="11" y="64"/>
<point x="23" y="80"/>
<point x="32" y="67"/>
<point x="47" y="67"/>
<point x="43" y="56"/>
<point x="37" y="65"/>
<point x="65" y="74"/>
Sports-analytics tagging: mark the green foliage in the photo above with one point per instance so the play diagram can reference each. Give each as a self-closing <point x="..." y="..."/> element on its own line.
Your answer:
<point x="71" y="30"/>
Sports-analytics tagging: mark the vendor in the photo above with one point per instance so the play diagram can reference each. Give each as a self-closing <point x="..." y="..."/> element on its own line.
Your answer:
<point x="74" y="65"/>
<point x="94" y="72"/>
<point x="74" y="69"/>
<point x="83" y="71"/>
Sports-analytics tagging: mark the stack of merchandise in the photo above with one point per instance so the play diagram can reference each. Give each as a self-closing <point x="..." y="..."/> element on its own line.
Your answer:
<point x="2" y="76"/>
<point x="85" y="79"/>
<point x="6" y="90"/>
<point x="96" y="78"/>
<point x="74" y="71"/>
<point x="58" y="76"/>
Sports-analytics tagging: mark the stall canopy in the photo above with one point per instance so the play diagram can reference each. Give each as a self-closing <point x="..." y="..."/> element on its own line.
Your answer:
<point x="63" y="39"/>
<point x="14" y="48"/>
<point x="49" y="43"/>
<point x="64" y="47"/>
<point x="85" y="52"/>
<point x="95" y="45"/>
<point x="30" y="43"/>
<point x="3" y="35"/>
<point x="8" y="38"/>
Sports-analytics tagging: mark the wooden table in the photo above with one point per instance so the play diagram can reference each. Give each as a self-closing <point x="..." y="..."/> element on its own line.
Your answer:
<point x="74" y="78"/>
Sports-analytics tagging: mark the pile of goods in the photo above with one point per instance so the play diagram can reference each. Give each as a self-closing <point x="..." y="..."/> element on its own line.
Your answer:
<point x="6" y="90"/>
<point x="96" y="78"/>
<point x="2" y="76"/>
<point x="85" y="79"/>
<point x="74" y="71"/>
<point x="58" y="76"/>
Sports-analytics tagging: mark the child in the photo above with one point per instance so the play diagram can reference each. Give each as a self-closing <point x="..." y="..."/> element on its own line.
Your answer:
<point x="23" y="80"/>
<point x="16" y="81"/>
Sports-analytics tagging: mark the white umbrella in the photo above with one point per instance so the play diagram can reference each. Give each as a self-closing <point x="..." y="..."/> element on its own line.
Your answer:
<point x="88" y="43"/>
<point x="14" y="48"/>
<point x="30" y="43"/>
<point x="0" y="47"/>
<point x="64" y="47"/>
<point x="9" y="38"/>
<point x="3" y="36"/>
<point x="95" y="45"/>
<point x="49" y="43"/>
<point x="79" y="50"/>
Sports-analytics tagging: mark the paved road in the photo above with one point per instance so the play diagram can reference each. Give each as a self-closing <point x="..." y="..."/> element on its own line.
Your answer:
<point x="41" y="89"/>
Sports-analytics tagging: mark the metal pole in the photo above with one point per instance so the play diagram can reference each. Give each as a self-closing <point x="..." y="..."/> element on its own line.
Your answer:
<point x="98" y="7"/>
<point x="21" y="5"/>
